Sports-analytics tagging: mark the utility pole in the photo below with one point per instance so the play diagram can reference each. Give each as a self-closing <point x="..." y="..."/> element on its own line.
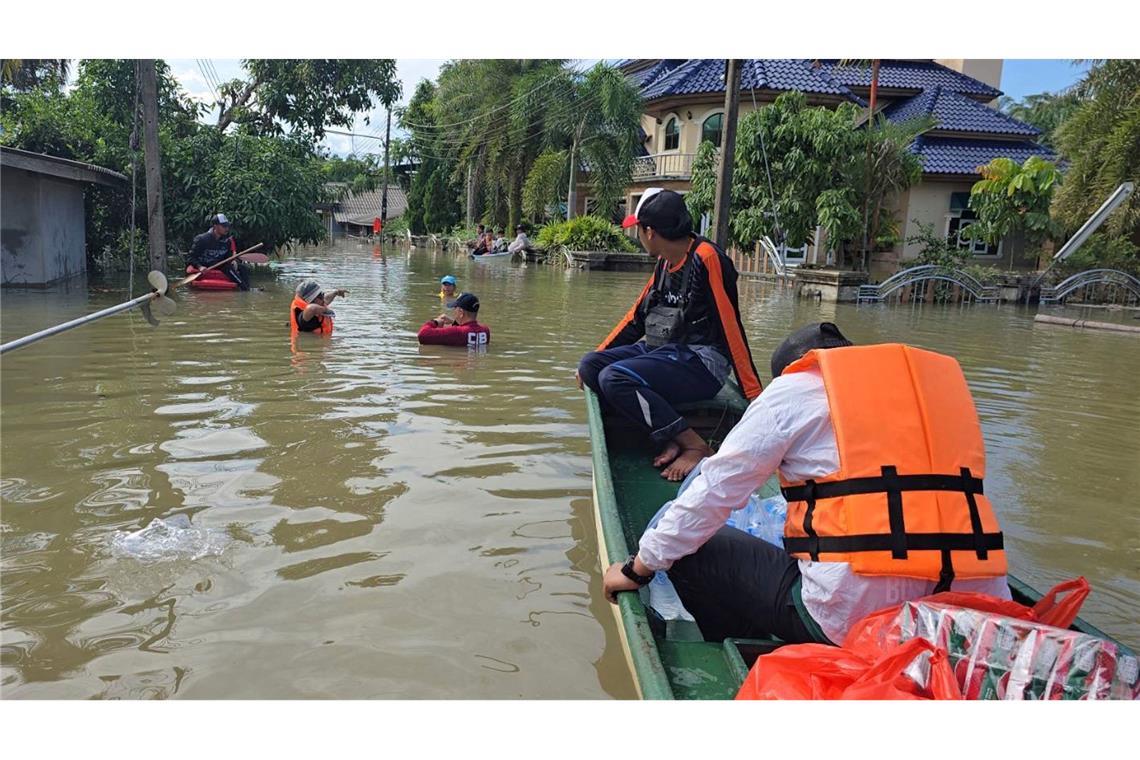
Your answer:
<point x="156" y="229"/>
<point x="469" y="209"/>
<point x="727" y="152"/>
<point x="384" y="194"/>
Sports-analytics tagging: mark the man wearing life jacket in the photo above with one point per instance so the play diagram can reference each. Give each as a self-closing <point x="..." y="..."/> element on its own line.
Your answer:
<point x="214" y="245"/>
<point x="880" y="454"/>
<point x="679" y="341"/>
<point x="310" y="312"/>
<point x="447" y="289"/>
<point x="460" y="329"/>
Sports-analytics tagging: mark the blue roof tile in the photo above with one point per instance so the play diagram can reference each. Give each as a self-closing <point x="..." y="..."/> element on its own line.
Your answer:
<point x="957" y="113"/>
<point x="910" y="75"/>
<point x="703" y="75"/>
<point x="953" y="155"/>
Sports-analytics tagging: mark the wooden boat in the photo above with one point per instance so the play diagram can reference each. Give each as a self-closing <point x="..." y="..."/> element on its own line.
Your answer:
<point x="504" y="256"/>
<point x="671" y="660"/>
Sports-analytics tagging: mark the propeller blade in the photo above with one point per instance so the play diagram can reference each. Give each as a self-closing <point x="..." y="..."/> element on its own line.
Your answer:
<point x="145" y="309"/>
<point x="157" y="281"/>
<point x="166" y="306"/>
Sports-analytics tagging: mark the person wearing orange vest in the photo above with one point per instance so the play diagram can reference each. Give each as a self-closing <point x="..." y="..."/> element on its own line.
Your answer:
<point x="882" y="462"/>
<point x="680" y="339"/>
<point x="310" y="312"/>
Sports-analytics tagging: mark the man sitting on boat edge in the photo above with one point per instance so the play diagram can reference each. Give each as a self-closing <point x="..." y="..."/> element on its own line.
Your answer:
<point x="881" y="458"/>
<point x="689" y="319"/>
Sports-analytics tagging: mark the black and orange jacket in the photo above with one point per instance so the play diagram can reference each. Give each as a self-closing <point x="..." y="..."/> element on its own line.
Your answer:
<point x="712" y="296"/>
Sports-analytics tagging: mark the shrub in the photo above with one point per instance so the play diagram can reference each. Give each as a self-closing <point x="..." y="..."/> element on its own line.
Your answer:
<point x="585" y="233"/>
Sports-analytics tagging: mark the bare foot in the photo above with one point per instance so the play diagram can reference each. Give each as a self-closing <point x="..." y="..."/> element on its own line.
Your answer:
<point x="671" y="451"/>
<point x="684" y="463"/>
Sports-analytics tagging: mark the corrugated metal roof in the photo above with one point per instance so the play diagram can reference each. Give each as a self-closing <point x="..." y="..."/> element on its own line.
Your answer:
<point x="362" y="208"/>
<point x="64" y="168"/>
<point x="957" y="113"/>
<point x="953" y="155"/>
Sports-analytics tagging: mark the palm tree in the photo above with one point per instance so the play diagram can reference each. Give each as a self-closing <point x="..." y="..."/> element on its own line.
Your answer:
<point x="28" y="73"/>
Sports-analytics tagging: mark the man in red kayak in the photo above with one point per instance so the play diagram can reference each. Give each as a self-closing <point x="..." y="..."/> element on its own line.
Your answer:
<point x="460" y="329"/>
<point x="215" y="244"/>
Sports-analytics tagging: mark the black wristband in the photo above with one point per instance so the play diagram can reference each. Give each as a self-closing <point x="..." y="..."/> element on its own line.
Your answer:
<point x="628" y="571"/>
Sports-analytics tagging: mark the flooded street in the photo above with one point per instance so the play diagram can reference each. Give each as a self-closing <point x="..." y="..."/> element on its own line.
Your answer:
<point x="363" y="517"/>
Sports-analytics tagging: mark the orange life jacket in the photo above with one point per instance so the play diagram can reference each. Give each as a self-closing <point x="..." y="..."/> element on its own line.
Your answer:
<point x="326" y="320"/>
<point x="907" y="499"/>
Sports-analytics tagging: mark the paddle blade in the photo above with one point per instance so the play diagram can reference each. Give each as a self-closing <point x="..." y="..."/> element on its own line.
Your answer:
<point x="145" y="309"/>
<point x="255" y="258"/>
<point x="157" y="281"/>
<point x="184" y="280"/>
<point x="166" y="306"/>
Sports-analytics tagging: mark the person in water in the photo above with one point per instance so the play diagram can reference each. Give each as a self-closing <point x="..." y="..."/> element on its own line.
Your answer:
<point x="679" y="341"/>
<point x="462" y="328"/>
<point x="447" y="289"/>
<point x="216" y="244"/>
<point x="881" y="457"/>
<point x="310" y="312"/>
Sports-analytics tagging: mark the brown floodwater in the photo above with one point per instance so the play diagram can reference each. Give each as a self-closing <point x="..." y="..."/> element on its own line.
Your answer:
<point x="363" y="517"/>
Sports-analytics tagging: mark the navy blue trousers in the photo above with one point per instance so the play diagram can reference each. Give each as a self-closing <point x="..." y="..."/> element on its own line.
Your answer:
<point x="643" y="383"/>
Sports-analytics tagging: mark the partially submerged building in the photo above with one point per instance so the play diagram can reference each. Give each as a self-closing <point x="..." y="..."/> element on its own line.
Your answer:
<point x="684" y="106"/>
<point x="42" y="227"/>
<point x="354" y="213"/>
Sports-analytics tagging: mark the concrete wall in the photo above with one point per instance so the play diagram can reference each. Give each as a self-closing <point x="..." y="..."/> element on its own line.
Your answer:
<point x="690" y="128"/>
<point x="43" y="237"/>
<point x="929" y="203"/>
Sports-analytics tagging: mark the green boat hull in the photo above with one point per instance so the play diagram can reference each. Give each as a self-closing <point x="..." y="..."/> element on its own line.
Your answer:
<point x="670" y="661"/>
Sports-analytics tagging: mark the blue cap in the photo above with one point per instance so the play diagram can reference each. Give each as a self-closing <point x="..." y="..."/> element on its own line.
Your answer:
<point x="447" y="279"/>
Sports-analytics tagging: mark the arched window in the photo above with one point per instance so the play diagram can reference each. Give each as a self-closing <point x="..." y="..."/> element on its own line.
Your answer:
<point x="672" y="135"/>
<point x="710" y="130"/>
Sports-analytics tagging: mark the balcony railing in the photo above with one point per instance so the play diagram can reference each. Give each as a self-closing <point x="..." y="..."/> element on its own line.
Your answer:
<point x="663" y="166"/>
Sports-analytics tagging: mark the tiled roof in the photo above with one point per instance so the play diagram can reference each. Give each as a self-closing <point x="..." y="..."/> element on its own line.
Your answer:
<point x="957" y="113"/>
<point x="703" y="75"/>
<point x="952" y="155"/>
<point x="910" y="75"/>
<point x="362" y="208"/>
<point x="648" y="76"/>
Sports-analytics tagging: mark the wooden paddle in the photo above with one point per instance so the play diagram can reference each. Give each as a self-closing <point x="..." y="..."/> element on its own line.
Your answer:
<point x="190" y="278"/>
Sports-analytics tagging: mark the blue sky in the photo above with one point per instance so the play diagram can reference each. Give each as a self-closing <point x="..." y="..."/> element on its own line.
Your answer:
<point x="1020" y="77"/>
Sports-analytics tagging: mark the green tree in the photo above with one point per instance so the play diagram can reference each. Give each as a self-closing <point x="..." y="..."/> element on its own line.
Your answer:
<point x="821" y="170"/>
<point x="23" y="74"/>
<point x="545" y="183"/>
<point x="1011" y="198"/>
<point x="1101" y="142"/>
<point x="306" y="94"/>
<point x="1047" y="111"/>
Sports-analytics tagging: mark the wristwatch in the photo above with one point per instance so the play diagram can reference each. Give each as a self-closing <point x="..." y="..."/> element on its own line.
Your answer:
<point x="628" y="571"/>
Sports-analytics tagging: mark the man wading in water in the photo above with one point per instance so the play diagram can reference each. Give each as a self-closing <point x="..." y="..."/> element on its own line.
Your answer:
<point x="688" y="316"/>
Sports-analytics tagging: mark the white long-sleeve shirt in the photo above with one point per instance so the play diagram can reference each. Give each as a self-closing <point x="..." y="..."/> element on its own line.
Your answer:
<point x="787" y="428"/>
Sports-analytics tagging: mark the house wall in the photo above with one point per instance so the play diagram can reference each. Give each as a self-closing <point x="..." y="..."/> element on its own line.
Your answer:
<point x="690" y="127"/>
<point x="42" y="235"/>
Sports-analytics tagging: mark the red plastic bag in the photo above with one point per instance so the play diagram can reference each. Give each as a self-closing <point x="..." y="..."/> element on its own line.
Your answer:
<point x="1062" y="614"/>
<point x="913" y="670"/>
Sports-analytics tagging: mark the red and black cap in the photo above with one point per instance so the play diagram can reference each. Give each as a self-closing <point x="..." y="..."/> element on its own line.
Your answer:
<point x="663" y="210"/>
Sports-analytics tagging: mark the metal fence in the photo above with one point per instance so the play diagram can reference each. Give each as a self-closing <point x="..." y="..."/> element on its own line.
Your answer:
<point x="663" y="166"/>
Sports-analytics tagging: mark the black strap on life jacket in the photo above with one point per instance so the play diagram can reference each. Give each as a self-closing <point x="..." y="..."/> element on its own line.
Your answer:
<point x="898" y="542"/>
<point x="654" y="297"/>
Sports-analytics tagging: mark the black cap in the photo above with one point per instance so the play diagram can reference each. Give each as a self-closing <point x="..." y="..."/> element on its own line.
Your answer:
<point x="467" y="302"/>
<point x="663" y="210"/>
<point x="808" y="337"/>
